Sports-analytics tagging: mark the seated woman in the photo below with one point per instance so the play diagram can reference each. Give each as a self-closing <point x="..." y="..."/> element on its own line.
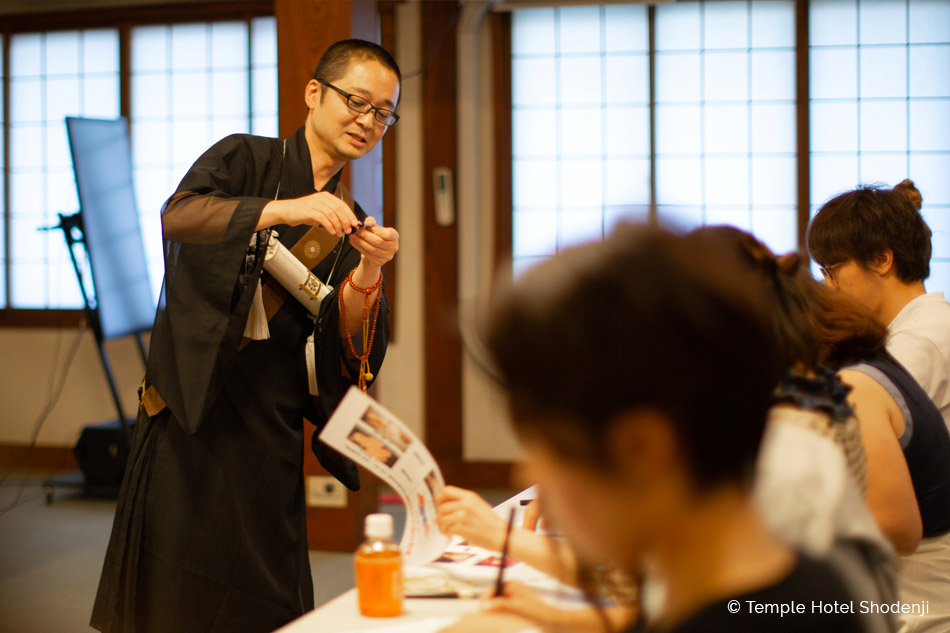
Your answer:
<point x="466" y="514"/>
<point x="906" y="441"/>
<point x="806" y="489"/>
<point x="639" y="379"/>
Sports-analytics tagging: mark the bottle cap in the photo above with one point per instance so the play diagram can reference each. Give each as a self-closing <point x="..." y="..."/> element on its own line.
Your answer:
<point x="379" y="525"/>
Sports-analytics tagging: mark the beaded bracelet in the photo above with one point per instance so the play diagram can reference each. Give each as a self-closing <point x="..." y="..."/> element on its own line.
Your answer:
<point x="368" y="331"/>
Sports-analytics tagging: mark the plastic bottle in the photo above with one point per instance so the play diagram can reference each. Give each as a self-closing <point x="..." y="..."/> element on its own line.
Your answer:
<point x="379" y="569"/>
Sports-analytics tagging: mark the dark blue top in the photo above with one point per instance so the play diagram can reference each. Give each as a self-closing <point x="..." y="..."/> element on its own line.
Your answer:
<point x="925" y="441"/>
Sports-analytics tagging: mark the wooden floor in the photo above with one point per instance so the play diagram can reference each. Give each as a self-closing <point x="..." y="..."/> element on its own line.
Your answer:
<point x="51" y="555"/>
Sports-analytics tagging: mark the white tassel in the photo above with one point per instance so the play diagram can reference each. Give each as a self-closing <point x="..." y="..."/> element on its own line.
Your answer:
<point x="256" y="328"/>
<point x="312" y="366"/>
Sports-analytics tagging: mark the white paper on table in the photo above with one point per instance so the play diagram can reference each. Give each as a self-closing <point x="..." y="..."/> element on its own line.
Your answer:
<point x="370" y="435"/>
<point x="476" y="566"/>
<point x="504" y="508"/>
<point x="429" y="625"/>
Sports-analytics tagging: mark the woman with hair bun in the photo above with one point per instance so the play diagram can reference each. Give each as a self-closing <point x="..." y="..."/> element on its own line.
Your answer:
<point x="908" y="188"/>
<point x="906" y="442"/>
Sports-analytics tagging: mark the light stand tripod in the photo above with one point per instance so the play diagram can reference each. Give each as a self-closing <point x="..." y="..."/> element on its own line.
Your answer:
<point x="104" y="482"/>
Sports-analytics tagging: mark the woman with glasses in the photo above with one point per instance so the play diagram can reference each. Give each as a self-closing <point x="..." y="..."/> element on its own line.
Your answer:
<point x="875" y="247"/>
<point x="906" y="442"/>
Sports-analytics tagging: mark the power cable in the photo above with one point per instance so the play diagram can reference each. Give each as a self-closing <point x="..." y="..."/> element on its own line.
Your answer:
<point x="44" y="414"/>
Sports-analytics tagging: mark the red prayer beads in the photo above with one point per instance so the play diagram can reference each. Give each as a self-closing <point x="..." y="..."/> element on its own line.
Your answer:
<point x="368" y="331"/>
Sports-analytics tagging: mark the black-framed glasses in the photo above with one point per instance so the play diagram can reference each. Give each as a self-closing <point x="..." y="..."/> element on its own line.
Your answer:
<point x="828" y="272"/>
<point x="357" y="103"/>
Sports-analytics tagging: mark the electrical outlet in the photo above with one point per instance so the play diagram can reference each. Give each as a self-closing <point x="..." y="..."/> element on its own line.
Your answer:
<point x="325" y="492"/>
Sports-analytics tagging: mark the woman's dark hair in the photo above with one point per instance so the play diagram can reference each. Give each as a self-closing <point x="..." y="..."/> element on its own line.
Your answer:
<point x="846" y="330"/>
<point x="861" y="224"/>
<point x="813" y="325"/>
<point x="645" y="321"/>
<point x="337" y="59"/>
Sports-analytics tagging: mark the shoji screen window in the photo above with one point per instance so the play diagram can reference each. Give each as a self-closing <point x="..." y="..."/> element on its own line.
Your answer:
<point x="725" y="117"/>
<point x="193" y="84"/>
<point x="52" y="75"/>
<point x="580" y="125"/>
<point x="264" y="77"/>
<point x="880" y="105"/>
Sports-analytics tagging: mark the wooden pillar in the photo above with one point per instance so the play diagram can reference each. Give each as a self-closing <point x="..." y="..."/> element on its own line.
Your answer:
<point x="803" y="122"/>
<point x="305" y="29"/>
<point x="443" y="349"/>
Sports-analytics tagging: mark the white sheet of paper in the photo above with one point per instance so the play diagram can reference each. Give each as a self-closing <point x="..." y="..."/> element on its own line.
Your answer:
<point x="370" y="435"/>
<point x="429" y="625"/>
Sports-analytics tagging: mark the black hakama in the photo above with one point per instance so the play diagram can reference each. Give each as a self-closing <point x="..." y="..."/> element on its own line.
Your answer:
<point x="210" y="531"/>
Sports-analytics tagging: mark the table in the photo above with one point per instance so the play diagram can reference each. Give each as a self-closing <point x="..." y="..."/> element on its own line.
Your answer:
<point x="342" y="614"/>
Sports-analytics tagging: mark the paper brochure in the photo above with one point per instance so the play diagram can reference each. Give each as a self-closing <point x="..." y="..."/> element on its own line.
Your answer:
<point x="436" y="565"/>
<point x="370" y="435"/>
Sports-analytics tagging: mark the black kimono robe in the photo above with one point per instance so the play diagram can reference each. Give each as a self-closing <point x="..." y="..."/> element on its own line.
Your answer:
<point x="210" y="529"/>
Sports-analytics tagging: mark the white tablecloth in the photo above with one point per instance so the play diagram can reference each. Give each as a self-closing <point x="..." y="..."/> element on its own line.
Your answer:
<point x="342" y="615"/>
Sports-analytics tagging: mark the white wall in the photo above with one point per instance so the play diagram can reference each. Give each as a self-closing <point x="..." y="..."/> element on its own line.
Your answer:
<point x="400" y="384"/>
<point x="33" y="361"/>
<point x="486" y="432"/>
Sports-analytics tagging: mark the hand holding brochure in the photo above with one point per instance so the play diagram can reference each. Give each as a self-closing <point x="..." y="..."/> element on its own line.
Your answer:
<point x="435" y="565"/>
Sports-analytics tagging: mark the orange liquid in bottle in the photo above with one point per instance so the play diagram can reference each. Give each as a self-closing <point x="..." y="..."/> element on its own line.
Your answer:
<point x="379" y="580"/>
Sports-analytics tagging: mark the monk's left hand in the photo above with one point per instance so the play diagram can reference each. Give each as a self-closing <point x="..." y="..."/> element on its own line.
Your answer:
<point x="377" y="244"/>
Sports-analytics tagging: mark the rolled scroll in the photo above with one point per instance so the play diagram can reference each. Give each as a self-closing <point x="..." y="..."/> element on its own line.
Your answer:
<point x="294" y="276"/>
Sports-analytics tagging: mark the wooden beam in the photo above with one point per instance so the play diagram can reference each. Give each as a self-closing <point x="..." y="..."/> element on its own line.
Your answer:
<point x="802" y="120"/>
<point x="501" y="60"/>
<point x="159" y="13"/>
<point x="44" y="459"/>
<point x="10" y="317"/>
<point x="443" y="350"/>
<point x="387" y="39"/>
<point x="477" y="474"/>
<point x="305" y="29"/>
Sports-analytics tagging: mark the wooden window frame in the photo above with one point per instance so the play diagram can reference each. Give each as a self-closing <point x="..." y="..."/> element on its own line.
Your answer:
<point x="444" y="432"/>
<point x="503" y="154"/>
<point x="123" y="19"/>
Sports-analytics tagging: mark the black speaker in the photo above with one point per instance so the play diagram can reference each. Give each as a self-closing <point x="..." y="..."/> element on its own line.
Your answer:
<point x="102" y="452"/>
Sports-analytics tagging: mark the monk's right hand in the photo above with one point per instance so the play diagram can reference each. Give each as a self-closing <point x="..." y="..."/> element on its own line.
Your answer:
<point x="317" y="209"/>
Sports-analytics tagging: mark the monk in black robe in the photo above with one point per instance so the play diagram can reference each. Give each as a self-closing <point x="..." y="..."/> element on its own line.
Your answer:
<point x="210" y="530"/>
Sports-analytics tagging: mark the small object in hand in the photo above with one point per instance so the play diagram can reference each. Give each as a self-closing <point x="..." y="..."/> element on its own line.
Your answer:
<point x="361" y="224"/>
<point x="500" y="581"/>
